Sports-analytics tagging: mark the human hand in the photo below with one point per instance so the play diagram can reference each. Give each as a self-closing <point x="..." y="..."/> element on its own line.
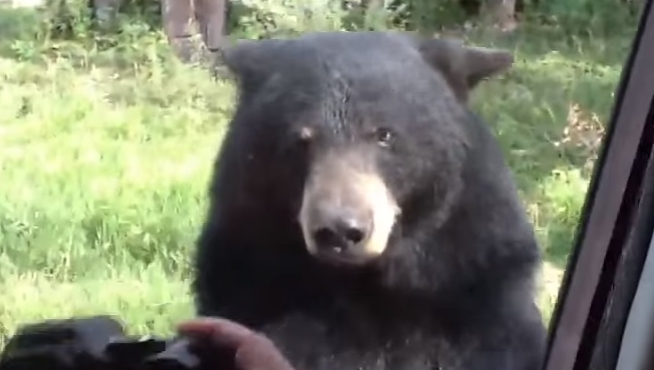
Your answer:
<point x="253" y="351"/>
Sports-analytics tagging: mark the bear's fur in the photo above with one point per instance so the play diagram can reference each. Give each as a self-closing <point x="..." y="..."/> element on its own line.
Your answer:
<point x="362" y="216"/>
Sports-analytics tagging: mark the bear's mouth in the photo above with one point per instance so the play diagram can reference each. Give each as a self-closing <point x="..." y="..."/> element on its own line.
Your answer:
<point x="337" y="255"/>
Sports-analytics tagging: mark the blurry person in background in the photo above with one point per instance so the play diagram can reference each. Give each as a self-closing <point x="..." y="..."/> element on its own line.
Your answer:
<point x="183" y="21"/>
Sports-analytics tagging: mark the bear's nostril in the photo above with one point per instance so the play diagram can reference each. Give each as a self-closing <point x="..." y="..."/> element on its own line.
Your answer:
<point x="339" y="236"/>
<point x="326" y="238"/>
<point x="354" y="235"/>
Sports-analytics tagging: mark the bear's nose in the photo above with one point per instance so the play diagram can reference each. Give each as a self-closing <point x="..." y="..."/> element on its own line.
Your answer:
<point x="341" y="234"/>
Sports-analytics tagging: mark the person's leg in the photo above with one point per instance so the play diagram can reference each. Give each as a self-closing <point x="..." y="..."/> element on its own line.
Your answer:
<point x="211" y="16"/>
<point x="502" y="13"/>
<point x="177" y="17"/>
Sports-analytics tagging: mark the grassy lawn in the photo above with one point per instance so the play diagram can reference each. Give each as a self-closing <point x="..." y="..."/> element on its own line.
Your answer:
<point x="105" y="153"/>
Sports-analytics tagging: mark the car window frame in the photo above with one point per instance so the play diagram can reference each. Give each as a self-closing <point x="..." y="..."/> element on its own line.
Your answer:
<point x="608" y="221"/>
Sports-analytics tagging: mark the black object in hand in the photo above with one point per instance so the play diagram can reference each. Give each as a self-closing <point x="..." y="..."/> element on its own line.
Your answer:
<point x="100" y="343"/>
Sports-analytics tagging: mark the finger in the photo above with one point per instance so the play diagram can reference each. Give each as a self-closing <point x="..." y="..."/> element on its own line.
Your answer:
<point x="220" y="331"/>
<point x="253" y="351"/>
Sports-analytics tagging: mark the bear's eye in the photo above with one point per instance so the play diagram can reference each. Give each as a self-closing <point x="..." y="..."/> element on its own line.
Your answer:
<point x="383" y="136"/>
<point x="301" y="139"/>
<point x="305" y="134"/>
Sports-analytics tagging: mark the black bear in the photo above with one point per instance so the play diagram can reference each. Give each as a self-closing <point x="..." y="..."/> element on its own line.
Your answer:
<point x="362" y="216"/>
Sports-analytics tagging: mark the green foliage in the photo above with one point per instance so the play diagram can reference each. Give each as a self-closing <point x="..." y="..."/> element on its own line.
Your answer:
<point x="426" y="15"/>
<point x="67" y="18"/>
<point x="584" y="17"/>
<point x="145" y="10"/>
<point x="271" y="18"/>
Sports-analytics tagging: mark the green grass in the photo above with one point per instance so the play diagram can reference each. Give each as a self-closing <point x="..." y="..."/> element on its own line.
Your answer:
<point x="105" y="153"/>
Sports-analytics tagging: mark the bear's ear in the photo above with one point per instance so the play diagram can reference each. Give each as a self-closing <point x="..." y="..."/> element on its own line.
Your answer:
<point x="464" y="66"/>
<point x="245" y="60"/>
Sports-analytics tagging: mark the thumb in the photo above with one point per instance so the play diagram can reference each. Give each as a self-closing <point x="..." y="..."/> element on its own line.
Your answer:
<point x="253" y="351"/>
<point x="220" y="331"/>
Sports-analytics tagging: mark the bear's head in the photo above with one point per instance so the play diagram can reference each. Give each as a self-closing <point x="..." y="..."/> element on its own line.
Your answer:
<point x="363" y="130"/>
